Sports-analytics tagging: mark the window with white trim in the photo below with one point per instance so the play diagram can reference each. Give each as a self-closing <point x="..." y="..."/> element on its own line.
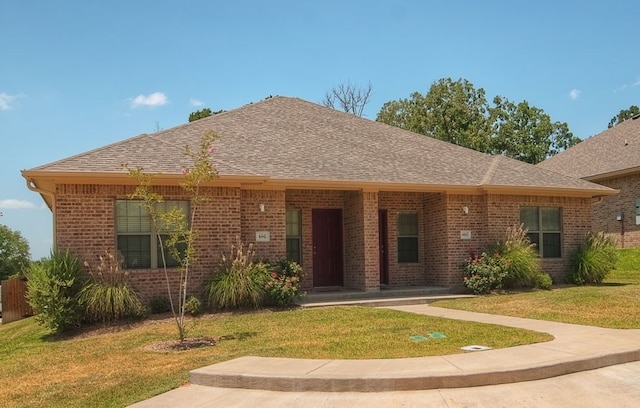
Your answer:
<point x="544" y="229"/>
<point x="408" y="237"/>
<point x="137" y="237"/>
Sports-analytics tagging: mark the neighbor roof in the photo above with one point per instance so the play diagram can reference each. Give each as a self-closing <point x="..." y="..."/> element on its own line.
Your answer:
<point x="291" y="143"/>
<point x="615" y="151"/>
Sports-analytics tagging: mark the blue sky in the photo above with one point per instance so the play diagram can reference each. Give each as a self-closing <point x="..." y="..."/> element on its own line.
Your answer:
<point x="77" y="75"/>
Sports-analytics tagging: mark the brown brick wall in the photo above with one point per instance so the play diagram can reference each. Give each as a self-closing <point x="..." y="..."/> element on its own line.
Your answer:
<point x="504" y="211"/>
<point x="272" y="220"/>
<point x="401" y="274"/>
<point x="605" y="211"/>
<point x="85" y="224"/>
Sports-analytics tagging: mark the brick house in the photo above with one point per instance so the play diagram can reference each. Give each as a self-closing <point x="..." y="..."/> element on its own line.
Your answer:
<point x="610" y="158"/>
<point x="360" y="204"/>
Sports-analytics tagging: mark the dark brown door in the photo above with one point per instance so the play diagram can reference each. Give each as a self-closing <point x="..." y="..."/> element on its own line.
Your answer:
<point x="384" y="254"/>
<point x="327" y="247"/>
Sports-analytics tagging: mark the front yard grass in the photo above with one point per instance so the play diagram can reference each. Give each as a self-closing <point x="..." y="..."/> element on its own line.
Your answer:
<point x="613" y="304"/>
<point x="113" y="368"/>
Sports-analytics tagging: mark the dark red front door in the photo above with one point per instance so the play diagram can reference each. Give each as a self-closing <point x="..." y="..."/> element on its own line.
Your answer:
<point x="327" y="247"/>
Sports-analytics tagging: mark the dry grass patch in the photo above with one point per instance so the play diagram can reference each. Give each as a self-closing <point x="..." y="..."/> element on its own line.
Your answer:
<point x="113" y="367"/>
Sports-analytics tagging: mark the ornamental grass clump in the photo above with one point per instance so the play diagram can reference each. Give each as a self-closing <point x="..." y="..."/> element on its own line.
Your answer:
<point x="238" y="282"/>
<point x="524" y="264"/>
<point x="107" y="296"/>
<point x="593" y="261"/>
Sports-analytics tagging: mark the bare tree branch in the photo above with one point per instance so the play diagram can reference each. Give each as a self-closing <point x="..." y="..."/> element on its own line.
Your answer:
<point x="349" y="97"/>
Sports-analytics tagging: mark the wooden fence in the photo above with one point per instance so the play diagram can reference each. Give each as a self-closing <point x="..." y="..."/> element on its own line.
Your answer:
<point x="14" y="301"/>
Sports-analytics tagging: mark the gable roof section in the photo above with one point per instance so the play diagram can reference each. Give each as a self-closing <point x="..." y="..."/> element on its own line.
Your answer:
<point x="287" y="142"/>
<point x="616" y="151"/>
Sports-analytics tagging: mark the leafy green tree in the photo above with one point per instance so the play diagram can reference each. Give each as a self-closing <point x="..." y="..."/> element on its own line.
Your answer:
<point x="457" y="112"/>
<point x="202" y="113"/>
<point x="526" y="133"/>
<point x="623" y="115"/>
<point x="14" y="252"/>
<point x="453" y="111"/>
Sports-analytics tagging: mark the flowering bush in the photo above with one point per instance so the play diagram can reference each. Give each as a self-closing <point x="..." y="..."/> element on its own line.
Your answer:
<point x="483" y="273"/>
<point x="283" y="283"/>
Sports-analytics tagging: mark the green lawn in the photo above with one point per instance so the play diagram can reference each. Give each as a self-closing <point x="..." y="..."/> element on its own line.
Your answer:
<point x="614" y="304"/>
<point x="115" y="369"/>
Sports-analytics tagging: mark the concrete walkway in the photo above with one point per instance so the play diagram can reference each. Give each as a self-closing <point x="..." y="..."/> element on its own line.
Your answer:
<point x="574" y="349"/>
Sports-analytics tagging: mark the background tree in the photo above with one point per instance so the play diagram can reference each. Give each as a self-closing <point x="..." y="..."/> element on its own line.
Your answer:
<point x="623" y="115"/>
<point x="526" y="133"/>
<point x="202" y="113"/>
<point x="457" y="112"/>
<point x="14" y="252"/>
<point x="348" y="97"/>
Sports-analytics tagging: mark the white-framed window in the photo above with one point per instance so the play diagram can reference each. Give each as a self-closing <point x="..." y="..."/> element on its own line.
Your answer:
<point x="137" y="237"/>
<point x="408" y="237"/>
<point x="544" y="229"/>
<point x="637" y="211"/>
<point x="294" y="235"/>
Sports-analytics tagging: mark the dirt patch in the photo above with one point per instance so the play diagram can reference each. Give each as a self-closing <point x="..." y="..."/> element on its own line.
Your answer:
<point x="177" y="345"/>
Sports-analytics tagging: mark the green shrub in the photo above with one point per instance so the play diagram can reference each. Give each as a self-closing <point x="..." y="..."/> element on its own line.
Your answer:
<point x="107" y="296"/>
<point x="159" y="304"/>
<point x="237" y="282"/>
<point x="484" y="273"/>
<point x="193" y="306"/>
<point x="519" y="253"/>
<point x="52" y="288"/>
<point x="283" y="283"/>
<point x="595" y="258"/>
<point x="543" y="281"/>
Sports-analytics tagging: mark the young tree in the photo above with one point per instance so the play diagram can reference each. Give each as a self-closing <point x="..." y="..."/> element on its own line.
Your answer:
<point x="202" y="113"/>
<point x="181" y="244"/>
<point x="349" y="97"/>
<point x="623" y="115"/>
<point x="14" y="252"/>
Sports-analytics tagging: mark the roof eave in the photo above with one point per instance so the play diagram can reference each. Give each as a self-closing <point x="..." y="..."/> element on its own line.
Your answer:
<point x="612" y="174"/>
<point x="549" y="191"/>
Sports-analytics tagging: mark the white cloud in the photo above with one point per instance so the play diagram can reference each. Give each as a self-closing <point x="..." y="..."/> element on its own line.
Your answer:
<point x="636" y="83"/>
<point x="5" y="101"/>
<point x="196" y="102"/>
<point x="574" y="94"/>
<point x="154" y="99"/>
<point x="13" y="204"/>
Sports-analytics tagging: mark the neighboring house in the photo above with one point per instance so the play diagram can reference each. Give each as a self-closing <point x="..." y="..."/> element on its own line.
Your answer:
<point x="612" y="159"/>
<point x="360" y="204"/>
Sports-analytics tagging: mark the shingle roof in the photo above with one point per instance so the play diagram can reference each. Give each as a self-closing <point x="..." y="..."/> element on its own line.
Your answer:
<point x="291" y="140"/>
<point x="614" y="151"/>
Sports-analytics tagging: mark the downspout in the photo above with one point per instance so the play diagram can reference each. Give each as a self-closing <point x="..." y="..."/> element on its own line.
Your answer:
<point x="32" y="186"/>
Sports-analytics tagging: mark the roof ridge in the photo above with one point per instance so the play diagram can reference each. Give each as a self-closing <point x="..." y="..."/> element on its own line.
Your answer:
<point x="492" y="170"/>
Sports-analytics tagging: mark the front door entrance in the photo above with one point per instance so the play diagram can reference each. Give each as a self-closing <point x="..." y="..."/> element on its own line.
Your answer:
<point x="327" y="247"/>
<point x="384" y="254"/>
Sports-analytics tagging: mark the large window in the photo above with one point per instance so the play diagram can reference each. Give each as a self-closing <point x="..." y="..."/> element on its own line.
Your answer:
<point x="407" y="237"/>
<point x="137" y="237"/>
<point x="293" y="221"/>
<point x="544" y="225"/>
